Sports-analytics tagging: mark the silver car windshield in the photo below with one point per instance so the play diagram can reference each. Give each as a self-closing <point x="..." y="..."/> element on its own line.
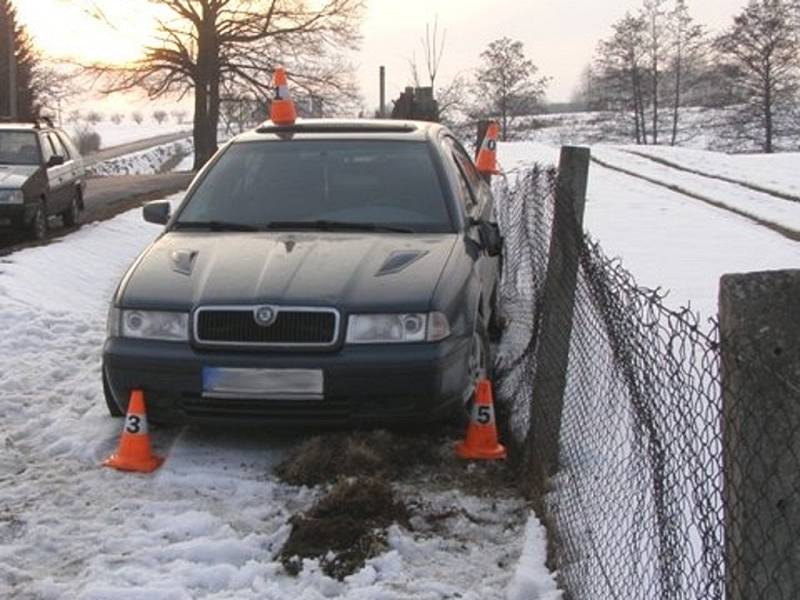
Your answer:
<point x="331" y="184"/>
<point x="19" y="148"/>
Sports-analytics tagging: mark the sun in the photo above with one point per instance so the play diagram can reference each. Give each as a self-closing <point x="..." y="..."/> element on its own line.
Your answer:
<point x="67" y="29"/>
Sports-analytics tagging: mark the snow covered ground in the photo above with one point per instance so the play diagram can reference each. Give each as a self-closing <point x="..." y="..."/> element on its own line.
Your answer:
<point x="667" y="239"/>
<point x="210" y="523"/>
<point x="144" y="162"/>
<point x="128" y="131"/>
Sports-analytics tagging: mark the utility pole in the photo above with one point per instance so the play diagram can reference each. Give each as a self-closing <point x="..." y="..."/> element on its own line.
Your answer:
<point x="12" y="70"/>
<point x="382" y="112"/>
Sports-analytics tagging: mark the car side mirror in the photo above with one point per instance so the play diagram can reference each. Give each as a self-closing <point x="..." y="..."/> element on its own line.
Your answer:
<point x="55" y="161"/>
<point x="490" y="237"/>
<point x="157" y="212"/>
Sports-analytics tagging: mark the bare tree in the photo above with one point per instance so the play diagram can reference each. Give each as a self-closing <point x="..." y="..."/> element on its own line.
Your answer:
<point x="654" y="13"/>
<point x="137" y="117"/>
<point x="506" y="84"/>
<point x="763" y="45"/>
<point x="208" y="44"/>
<point x="117" y="118"/>
<point x="620" y="72"/>
<point x="433" y="48"/>
<point x="689" y="43"/>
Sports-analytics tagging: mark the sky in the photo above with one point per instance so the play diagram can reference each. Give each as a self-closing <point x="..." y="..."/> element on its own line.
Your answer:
<point x="559" y="35"/>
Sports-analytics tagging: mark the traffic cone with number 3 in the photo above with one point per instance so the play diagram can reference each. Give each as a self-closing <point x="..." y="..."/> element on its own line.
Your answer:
<point x="134" y="453"/>
<point x="481" y="440"/>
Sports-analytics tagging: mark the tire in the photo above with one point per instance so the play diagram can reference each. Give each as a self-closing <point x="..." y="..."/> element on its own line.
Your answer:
<point x="70" y="216"/>
<point x="113" y="409"/>
<point x="38" y="225"/>
<point x="479" y="366"/>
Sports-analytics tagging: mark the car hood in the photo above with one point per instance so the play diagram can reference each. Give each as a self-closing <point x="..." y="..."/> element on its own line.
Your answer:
<point x="183" y="270"/>
<point x="14" y="176"/>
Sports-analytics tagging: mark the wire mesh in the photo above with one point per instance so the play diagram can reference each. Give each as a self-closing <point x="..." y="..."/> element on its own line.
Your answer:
<point x="640" y="499"/>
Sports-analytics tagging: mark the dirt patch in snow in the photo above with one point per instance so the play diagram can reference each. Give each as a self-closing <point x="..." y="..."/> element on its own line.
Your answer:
<point x="345" y="527"/>
<point x="328" y="458"/>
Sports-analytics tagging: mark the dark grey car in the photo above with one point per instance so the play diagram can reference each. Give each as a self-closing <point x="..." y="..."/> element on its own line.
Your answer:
<point x="326" y="272"/>
<point x="41" y="175"/>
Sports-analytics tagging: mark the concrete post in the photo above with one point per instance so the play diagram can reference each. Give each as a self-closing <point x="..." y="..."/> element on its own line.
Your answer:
<point x="555" y="329"/>
<point x="760" y="337"/>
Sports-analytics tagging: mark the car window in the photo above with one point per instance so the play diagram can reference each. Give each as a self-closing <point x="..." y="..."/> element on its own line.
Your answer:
<point x="58" y="147"/>
<point x="19" y="148"/>
<point x="391" y="183"/>
<point x="68" y="144"/>
<point x="47" y="148"/>
<point x="466" y="191"/>
<point x="467" y="167"/>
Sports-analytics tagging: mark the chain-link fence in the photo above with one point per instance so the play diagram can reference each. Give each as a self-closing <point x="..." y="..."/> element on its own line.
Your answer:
<point x="637" y="504"/>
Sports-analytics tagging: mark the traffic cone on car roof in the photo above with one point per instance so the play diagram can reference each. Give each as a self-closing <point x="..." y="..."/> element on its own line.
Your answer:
<point x="487" y="155"/>
<point x="283" y="111"/>
<point x="134" y="453"/>
<point x="481" y="440"/>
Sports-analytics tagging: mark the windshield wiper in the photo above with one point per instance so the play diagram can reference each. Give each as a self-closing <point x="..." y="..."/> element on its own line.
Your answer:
<point x="215" y="226"/>
<point x="324" y="225"/>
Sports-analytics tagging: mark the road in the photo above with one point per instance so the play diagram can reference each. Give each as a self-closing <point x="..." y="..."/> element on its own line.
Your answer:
<point x="106" y="197"/>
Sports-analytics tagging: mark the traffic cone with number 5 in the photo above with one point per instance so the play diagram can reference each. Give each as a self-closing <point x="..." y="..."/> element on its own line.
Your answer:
<point x="134" y="453"/>
<point x="481" y="441"/>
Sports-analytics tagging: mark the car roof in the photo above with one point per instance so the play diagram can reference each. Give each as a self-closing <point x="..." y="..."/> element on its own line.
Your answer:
<point x="371" y="129"/>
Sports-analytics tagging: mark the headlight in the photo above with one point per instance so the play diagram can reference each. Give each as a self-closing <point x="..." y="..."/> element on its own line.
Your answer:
<point x="155" y="325"/>
<point x="11" y="197"/>
<point x="112" y="323"/>
<point x="397" y="328"/>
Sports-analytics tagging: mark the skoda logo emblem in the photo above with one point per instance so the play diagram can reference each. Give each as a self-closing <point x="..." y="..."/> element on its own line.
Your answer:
<point x="265" y="315"/>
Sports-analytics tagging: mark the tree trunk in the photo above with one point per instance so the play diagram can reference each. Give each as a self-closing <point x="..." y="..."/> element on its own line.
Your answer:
<point x="768" y="116"/>
<point x="655" y="100"/>
<point x="199" y="131"/>
<point x="677" y="103"/>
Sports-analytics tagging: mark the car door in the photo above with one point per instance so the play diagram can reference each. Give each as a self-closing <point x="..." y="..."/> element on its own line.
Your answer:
<point x="74" y="158"/>
<point x="479" y="206"/>
<point x="58" y="176"/>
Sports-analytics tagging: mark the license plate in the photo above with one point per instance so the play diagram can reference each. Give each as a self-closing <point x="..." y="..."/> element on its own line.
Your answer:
<point x="266" y="384"/>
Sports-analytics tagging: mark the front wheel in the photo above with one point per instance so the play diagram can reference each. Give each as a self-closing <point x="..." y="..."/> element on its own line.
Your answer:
<point x="113" y="409"/>
<point x="38" y="225"/>
<point x="70" y="216"/>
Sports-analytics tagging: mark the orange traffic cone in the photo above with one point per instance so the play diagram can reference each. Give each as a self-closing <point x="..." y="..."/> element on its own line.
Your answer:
<point x="481" y="441"/>
<point x="134" y="453"/>
<point x="283" y="111"/>
<point x="487" y="156"/>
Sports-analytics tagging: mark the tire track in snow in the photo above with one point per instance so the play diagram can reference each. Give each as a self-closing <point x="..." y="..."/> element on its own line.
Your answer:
<point x="787" y="232"/>
<point x="739" y="182"/>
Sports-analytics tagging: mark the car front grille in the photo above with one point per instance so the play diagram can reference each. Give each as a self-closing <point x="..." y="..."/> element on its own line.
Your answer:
<point x="238" y="326"/>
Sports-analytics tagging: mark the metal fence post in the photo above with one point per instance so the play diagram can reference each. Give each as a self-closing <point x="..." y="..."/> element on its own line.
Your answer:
<point x="760" y="337"/>
<point x="555" y="321"/>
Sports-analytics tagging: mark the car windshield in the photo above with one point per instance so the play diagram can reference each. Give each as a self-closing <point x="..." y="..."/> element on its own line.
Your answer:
<point x="332" y="185"/>
<point x="19" y="148"/>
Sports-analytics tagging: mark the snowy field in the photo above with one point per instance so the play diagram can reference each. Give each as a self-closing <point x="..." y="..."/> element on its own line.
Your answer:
<point x="211" y="522"/>
<point x="128" y="131"/>
<point x="669" y="240"/>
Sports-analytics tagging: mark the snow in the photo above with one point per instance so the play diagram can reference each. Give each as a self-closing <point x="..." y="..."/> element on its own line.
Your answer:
<point x="211" y="521"/>
<point x="666" y="239"/>
<point x="128" y="131"/>
<point x="774" y="172"/>
<point x="760" y="205"/>
<point x="186" y="164"/>
<point x="144" y="162"/>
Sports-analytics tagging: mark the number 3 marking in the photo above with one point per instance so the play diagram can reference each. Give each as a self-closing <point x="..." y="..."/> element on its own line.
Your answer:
<point x="134" y="424"/>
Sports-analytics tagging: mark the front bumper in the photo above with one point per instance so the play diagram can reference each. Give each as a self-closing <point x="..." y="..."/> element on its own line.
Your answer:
<point x="363" y="384"/>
